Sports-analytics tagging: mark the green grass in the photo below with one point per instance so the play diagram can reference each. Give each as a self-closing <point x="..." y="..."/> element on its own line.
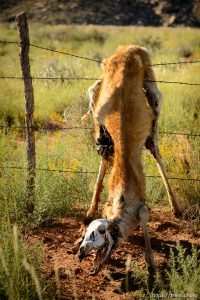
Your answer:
<point x="18" y="275"/>
<point x="178" y="279"/>
<point x="96" y="42"/>
<point x="63" y="103"/>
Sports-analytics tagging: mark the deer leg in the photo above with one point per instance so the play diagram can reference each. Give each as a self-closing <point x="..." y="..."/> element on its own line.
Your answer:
<point x="143" y="214"/>
<point x="153" y="147"/>
<point x="155" y="99"/>
<point x="97" y="191"/>
<point x="94" y="203"/>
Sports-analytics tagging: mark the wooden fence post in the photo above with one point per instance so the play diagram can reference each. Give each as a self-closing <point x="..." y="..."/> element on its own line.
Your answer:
<point x="24" y="43"/>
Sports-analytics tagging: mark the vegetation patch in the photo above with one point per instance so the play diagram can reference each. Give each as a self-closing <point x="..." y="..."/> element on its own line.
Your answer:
<point x="67" y="162"/>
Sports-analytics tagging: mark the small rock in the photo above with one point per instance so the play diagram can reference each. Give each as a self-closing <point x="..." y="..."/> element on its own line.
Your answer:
<point x="64" y="244"/>
<point x="53" y="246"/>
<point x="62" y="273"/>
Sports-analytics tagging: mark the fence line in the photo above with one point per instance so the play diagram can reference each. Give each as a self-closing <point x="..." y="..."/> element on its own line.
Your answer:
<point x="66" y="53"/>
<point x="25" y="43"/>
<point x="49" y="78"/>
<point x="91" y="128"/>
<point x="179" y="133"/>
<point x="9" y="42"/>
<point x="47" y="128"/>
<point x="95" y="60"/>
<point x="93" y="172"/>
<point x="174" y="82"/>
<point x="89" y="78"/>
<point x="24" y="39"/>
<point x="55" y="51"/>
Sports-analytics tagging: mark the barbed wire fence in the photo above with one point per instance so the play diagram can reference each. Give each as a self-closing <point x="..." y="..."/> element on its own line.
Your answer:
<point x="58" y="128"/>
<point x="24" y="44"/>
<point x="93" y="172"/>
<point x="90" y="78"/>
<point x="92" y="59"/>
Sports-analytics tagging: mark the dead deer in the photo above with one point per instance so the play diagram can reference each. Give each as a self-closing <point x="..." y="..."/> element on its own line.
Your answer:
<point x="125" y="104"/>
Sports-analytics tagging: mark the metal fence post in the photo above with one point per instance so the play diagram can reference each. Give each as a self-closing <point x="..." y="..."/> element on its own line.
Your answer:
<point x="29" y="107"/>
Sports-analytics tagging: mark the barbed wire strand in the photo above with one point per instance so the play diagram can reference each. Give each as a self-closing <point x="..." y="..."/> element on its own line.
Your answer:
<point x="9" y="42"/>
<point x="175" y="63"/>
<point x="66" y="53"/>
<point x="83" y="78"/>
<point x="179" y="133"/>
<point x="46" y="128"/>
<point x="49" y="78"/>
<point x="89" y="128"/>
<point x="91" y="78"/>
<point x="96" y="60"/>
<point x="93" y="172"/>
<point x="174" y="82"/>
<point x="55" y="51"/>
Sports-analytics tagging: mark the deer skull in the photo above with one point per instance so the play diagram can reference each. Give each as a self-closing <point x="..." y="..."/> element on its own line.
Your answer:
<point x="97" y="237"/>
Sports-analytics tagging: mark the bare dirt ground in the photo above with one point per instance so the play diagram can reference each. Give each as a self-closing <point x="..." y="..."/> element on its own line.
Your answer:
<point x="74" y="277"/>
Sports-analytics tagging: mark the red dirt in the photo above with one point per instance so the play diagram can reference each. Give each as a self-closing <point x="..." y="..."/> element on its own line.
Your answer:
<point x="74" y="278"/>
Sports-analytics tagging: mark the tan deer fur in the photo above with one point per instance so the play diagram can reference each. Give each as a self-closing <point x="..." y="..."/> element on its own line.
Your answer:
<point x="119" y="102"/>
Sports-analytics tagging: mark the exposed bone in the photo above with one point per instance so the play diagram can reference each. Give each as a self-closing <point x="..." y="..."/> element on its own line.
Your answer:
<point x="143" y="213"/>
